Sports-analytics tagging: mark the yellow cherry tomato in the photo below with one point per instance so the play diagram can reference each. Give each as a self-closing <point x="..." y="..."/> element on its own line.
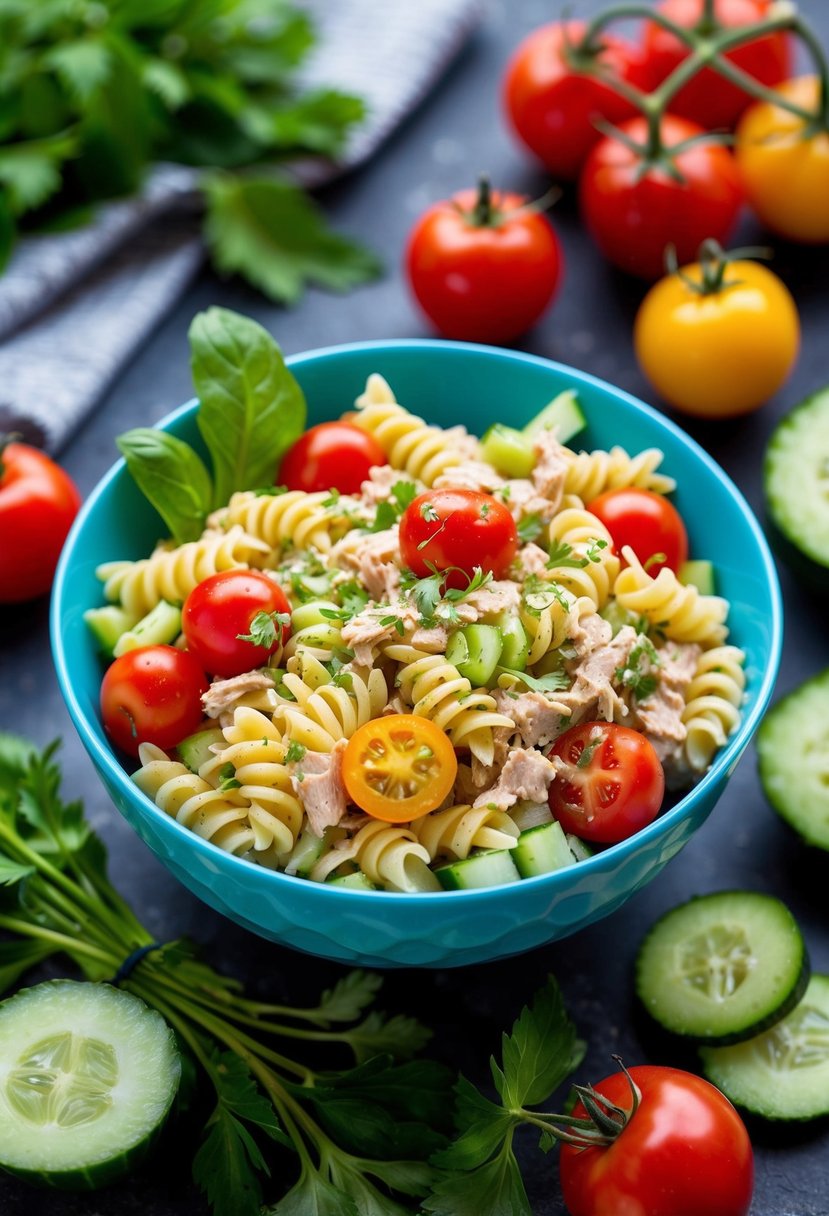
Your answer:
<point x="785" y="168"/>
<point x="718" y="352"/>
<point x="399" y="768"/>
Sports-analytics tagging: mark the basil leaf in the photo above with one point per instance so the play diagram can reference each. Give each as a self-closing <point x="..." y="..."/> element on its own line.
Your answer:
<point x="252" y="408"/>
<point x="169" y="473"/>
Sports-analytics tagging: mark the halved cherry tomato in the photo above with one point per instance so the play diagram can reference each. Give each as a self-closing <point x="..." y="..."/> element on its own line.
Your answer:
<point x="647" y="522"/>
<point x="330" y="456"/>
<point x="152" y="695"/>
<point x="611" y="783"/>
<point x="684" y="1152"/>
<point x="785" y="168"/>
<point x="457" y="531"/>
<point x="483" y="266"/>
<point x="636" y="209"/>
<point x="38" y="502"/>
<point x="224" y="611"/>
<point x="399" y="768"/>
<point x="709" y="98"/>
<point x="553" y="104"/>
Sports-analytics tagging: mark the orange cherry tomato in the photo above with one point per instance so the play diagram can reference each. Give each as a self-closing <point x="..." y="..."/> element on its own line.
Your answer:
<point x="399" y="768"/>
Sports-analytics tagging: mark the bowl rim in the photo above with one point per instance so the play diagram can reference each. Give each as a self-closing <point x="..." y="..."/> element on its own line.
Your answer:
<point x="106" y="759"/>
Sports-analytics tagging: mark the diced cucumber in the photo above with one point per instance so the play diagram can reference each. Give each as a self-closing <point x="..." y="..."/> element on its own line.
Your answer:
<point x="793" y="750"/>
<point x="161" y="626"/>
<point x="480" y="870"/>
<point x="542" y="850"/>
<point x="108" y="624"/>
<point x="796" y="484"/>
<point x="87" y="1076"/>
<point x="563" y="415"/>
<point x="723" y="967"/>
<point x="617" y="617"/>
<point x="509" y="451"/>
<point x="699" y="574"/>
<point x="515" y="645"/>
<point x="580" y="849"/>
<point x="356" y="882"/>
<point x="784" y="1072"/>
<point x="194" y="751"/>
<point x="526" y="815"/>
<point x="475" y="651"/>
<point x="307" y="851"/>
<point x="311" y="613"/>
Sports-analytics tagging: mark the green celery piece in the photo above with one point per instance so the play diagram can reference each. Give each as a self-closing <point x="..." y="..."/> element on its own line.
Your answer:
<point x="169" y="473"/>
<point x="252" y="408"/>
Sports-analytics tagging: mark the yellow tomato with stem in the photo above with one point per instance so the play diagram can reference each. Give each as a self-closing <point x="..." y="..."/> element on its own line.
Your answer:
<point x="718" y="338"/>
<point x="784" y="161"/>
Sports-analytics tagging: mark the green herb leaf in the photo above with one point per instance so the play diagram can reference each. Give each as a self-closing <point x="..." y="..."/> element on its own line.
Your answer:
<point x="16" y="958"/>
<point x="561" y="556"/>
<point x="384" y="517"/>
<point x="348" y="998"/>
<point x="493" y="1189"/>
<point x="404" y="493"/>
<point x="295" y="752"/>
<point x="554" y="681"/>
<point x="541" y="1051"/>
<point x="399" y="1036"/>
<point x="12" y="873"/>
<point x="587" y="752"/>
<point x="313" y="1196"/>
<point x="265" y="627"/>
<point x="8" y="231"/>
<point x="483" y="1126"/>
<point x="83" y="66"/>
<point x="252" y="408"/>
<point x="317" y="121"/>
<point x="171" y="476"/>
<point x="396" y="621"/>
<point x="529" y="528"/>
<point x="638" y="674"/>
<point x="266" y="229"/>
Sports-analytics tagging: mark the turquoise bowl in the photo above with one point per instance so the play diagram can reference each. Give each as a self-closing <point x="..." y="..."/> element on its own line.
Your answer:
<point x="448" y="383"/>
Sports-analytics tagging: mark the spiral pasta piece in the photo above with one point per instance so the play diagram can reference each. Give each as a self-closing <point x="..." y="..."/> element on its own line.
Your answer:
<point x="215" y="815"/>
<point x="422" y="451"/>
<point x="582" y="538"/>
<point x="712" y="703"/>
<point x="321" y="641"/>
<point x="334" y="711"/>
<point x="389" y="856"/>
<point x="257" y="753"/>
<point x="294" y="520"/>
<point x="590" y="474"/>
<point x="171" y="574"/>
<point x="454" y="832"/>
<point x="547" y="615"/>
<point x="679" y="612"/>
<point x="436" y="690"/>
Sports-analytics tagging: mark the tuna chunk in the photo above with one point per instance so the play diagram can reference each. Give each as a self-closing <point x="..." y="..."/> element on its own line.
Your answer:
<point x="588" y="633"/>
<point x="318" y="783"/>
<point x="526" y="775"/>
<point x="470" y="475"/>
<point x="532" y="559"/>
<point x="659" y="716"/>
<point x="550" y="471"/>
<point x="224" y="695"/>
<point x="503" y="595"/>
<point x="364" y="631"/>
<point x="538" y="719"/>
<point x="523" y="499"/>
<point x="381" y="477"/>
<point x="592" y="694"/>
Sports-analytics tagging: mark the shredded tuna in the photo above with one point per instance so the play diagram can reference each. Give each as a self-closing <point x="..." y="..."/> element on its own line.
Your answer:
<point x="525" y="775"/>
<point x="659" y="716"/>
<point x="461" y="444"/>
<point x="588" y="633"/>
<point x="223" y="695"/>
<point x="538" y="719"/>
<point x="523" y="499"/>
<point x="364" y="631"/>
<point x="318" y="783"/>
<point x="550" y="470"/>
<point x="532" y="559"/>
<point x="355" y="549"/>
<point x="592" y="694"/>
<point x="502" y="595"/>
<point x="433" y="640"/>
<point x="470" y="475"/>
<point x="378" y="485"/>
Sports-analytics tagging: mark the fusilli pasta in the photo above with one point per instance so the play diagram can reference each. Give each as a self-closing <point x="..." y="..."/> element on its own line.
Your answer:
<point x="678" y="612"/>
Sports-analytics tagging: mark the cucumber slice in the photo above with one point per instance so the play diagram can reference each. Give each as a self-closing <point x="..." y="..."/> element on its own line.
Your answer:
<point x="542" y="850"/>
<point x="475" y="651"/>
<point x="194" y="751"/>
<point x="563" y="415"/>
<point x="356" y="882"/>
<point x="515" y="645"/>
<point x="526" y="815"/>
<point x="784" y="1072"/>
<point x="161" y="626"/>
<point x="480" y="870"/>
<point x="580" y="849"/>
<point x="308" y="849"/>
<point x="306" y="615"/>
<point x="699" y="574"/>
<point x="87" y="1076"/>
<point x="723" y="967"/>
<point x="796" y="484"/>
<point x="108" y="624"/>
<point x="509" y="451"/>
<point x="793" y="751"/>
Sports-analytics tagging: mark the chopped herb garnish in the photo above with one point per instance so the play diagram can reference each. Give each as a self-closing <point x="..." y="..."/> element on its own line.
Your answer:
<point x="434" y="601"/>
<point x="332" y="499"/>
<point x="485" y="509"/>
<point x="554" y="681"/>
<point x="587" y="752"/>
<point x="270" y="491"/>
<point x="404" y="493"/>
<point x="529" y="528"/>
<point x="655" y="559"/>
<point x="390" y="509"/>
<point x="637" y="674"/>
<point x="539" y="594"/>
<point x="594" y="550"/>
<point x="429" y="513"/>
<point x="227" y="778"/>
<point x="263" y="628"/>
<point x="295" y="753"/>
<point x="385" y="517"/>
<point x="393" y="620"/>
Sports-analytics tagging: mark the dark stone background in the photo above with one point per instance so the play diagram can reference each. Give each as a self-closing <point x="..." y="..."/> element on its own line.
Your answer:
<point x="454" y="136"/>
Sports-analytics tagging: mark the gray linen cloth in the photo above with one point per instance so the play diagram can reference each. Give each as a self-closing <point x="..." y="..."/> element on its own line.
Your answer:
<point x="74" y="307"/>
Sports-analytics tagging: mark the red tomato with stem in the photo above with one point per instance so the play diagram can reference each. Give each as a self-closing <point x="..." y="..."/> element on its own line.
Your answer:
<point x="152" y="695"/>
<point x="709" y="98"/>
<point x="38" y="502"/>
<point x="611" y="783"/>
<point x="234" y="621"/>
<point x="330" y="456"/>
<point x="647" y="522"/>
<point x="635" y="207"/>
<point x="483" y="265"/>
<point x="683" y="1152"/>
<point x="552" y="99"/>
<point x="457" y="531"/>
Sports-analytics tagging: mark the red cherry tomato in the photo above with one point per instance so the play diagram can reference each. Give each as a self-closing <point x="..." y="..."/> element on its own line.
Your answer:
<point x="645" y="521"/>
<point x="457" y="530"/>
<point x="635" y="211"/>
<point x="552" y="104"/>
<point x="330" y="456"/>
<point x="226" y="608"/>
<point x="38" y="503"/>
<point x="611" y="784"/>
<point x="684" y="1152"/>
<point x="708" y="98"/>
<point x="483" y="267"/>
<point x="152" y="695"/>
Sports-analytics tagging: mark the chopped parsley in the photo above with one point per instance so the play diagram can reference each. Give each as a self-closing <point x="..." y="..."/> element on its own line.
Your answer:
<point x="529" y="528"/>
<point x="638" y="674"/>
<point x="390" y="509"/>
<point x="393" y="620"/>
<point x="385" y="517"/>
<point x="227" y="778"/>
<point x="554" y="681"/>
<point x="561" y="554"/>
<point x="587" y="752"/>
<point x="505" y="492"/>
<point x="263" y="628"/>
<point x="332" y="499"/>
<point x="295" y="753"/>
<point x="485" y="509"/>
<point x="539" y="594"/>
<point x="429" y="513"/>
<point x="434" y="601"/>
<point x="655" y="559"/>
<point x="270" y="491"/>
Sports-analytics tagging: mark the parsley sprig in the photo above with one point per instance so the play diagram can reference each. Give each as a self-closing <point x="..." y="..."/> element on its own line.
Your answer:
<point x="390" y="509"/>
<point x="561" y="554"/>
<point x="638" y="672"/>
<point x="433" y="599"/>
<point x="265" y="627"/>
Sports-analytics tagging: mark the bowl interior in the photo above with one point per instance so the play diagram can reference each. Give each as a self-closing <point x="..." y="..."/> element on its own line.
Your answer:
<point x="448" y="383"/>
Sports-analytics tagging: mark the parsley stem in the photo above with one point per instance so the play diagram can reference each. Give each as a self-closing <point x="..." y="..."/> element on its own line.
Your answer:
<point x="62" y="941"/>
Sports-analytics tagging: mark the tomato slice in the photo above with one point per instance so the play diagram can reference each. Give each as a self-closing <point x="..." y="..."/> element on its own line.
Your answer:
<point x="399" y="768"/>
